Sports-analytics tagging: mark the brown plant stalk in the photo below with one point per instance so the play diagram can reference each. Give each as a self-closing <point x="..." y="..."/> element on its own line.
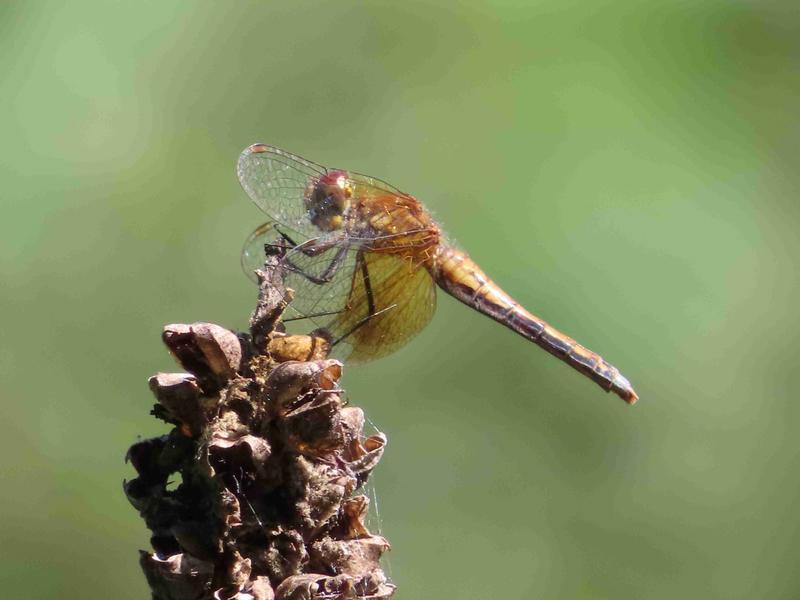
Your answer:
<point x="251" y="494"/>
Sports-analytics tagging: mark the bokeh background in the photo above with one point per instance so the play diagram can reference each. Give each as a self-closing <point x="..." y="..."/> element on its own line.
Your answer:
<point x="627" y="170"/>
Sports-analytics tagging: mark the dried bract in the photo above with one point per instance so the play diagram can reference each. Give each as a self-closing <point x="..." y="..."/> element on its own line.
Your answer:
<point x="212" y="353"/>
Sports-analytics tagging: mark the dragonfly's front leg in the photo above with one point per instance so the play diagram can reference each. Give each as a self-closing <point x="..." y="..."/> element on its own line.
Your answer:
<point x="314" y="246"/>
<point x="330" y="271"/>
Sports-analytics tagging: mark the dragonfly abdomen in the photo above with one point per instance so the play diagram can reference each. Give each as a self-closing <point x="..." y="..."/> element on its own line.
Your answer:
<point x="463" y="279"/>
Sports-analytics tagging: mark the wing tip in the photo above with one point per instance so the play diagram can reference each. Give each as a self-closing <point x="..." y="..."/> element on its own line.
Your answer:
<point x="242" y="165"/>
<point x="257" y="148"/>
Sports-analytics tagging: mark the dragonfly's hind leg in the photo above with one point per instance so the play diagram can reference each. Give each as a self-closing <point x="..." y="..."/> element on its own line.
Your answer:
<point x="361" y="323"/>
<point x="371" y="312"/>
<point x="367" y="285"/>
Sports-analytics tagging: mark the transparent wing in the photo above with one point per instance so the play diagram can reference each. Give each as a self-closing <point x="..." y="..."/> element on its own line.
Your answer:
<point x="374" y="303"/>
<point x="253" y="250"/>
<point x="278" y="181"/>
<point x="404" y="297"/>
<point x="320" y="302"/>
<point x="373" y="185"/>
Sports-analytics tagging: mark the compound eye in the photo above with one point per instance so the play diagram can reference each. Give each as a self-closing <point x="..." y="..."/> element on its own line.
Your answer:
<point x="330" y="206"/>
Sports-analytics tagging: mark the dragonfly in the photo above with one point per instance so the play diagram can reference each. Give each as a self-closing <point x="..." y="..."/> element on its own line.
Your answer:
<point x="364" y="260"/>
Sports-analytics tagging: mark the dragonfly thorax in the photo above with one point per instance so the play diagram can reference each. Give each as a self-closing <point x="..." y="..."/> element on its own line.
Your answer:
<point x="328" y="199"/>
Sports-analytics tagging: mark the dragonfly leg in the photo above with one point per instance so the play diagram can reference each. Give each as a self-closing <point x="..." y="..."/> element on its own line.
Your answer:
<point x="279" y="246"/>
<point x="312" y="247"/>
<point x="315" y="315"/>
<point x="361" y="323"/>
<point x="286" y="237"/>
<point x="326" y="275"/>
<point x="367" y="284"/>
<point x="371" y="312"/>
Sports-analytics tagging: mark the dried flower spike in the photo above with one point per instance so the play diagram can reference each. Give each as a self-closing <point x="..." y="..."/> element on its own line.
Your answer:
<point x="266" y="458"/>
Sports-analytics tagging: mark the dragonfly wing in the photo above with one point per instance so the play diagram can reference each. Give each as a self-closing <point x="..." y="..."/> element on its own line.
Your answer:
<point x="253" y="257"/>
<point x="320" y="302"/>
<point x="398" y="292"/>
<point x="278" y="182"/>
<point x="373" y="185"/>
<point x="374" y="302"/>
<point x="266" y="234"/>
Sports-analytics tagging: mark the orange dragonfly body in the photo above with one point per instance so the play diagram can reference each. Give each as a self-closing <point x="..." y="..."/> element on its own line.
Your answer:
<point x="364" y="259"/>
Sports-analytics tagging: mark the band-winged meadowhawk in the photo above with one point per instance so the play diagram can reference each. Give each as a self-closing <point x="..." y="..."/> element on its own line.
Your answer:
<point x="364" y="259"/>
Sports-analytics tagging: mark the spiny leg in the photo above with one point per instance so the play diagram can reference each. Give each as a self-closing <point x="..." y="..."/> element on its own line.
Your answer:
<point x="361" y="323"/>
<point x="371" y="312"/>
<point x="312" y="247"/>
<point x="367" y="284"/>
<point x="326" y="275"/>
<point x="315" y="315"/>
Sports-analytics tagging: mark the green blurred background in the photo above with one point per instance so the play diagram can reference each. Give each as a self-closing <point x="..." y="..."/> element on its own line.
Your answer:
<point x="627" y="170"/>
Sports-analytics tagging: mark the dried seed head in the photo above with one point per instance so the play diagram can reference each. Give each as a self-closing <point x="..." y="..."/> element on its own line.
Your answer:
<point x="313" y="586"/>
<point x="181" y="576"/>
<point x="249" y="497"/>
<point x="198" y="537"/>
<point x="247" y="453"/>
<point x="313" y="426"/>
<point x="364" y="457"/>
<point x="357" y="557"/>
<point x="181" y="397"/>
<point x="291" y="380"/>
<point x="209" y="351"/>
<point x="354" y="511"/>
<point x="256" y="589"/>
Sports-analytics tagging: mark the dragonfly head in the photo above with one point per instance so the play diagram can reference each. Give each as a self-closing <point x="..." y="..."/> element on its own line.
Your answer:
<point x="328" y="199"/>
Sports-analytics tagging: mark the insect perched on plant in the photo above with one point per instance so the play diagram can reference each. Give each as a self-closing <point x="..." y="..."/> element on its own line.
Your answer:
<point x="363" y="258"/>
